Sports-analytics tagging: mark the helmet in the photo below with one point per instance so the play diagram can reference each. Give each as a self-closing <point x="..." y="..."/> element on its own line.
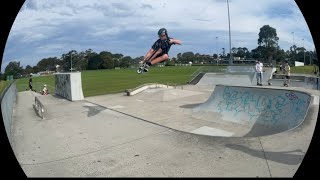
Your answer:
<point x="161" y="31"/>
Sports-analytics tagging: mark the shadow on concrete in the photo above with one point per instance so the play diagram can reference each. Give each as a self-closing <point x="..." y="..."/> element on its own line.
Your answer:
<point x="281" y="157"/>
<point x="59" y="97"/>
<point x="190" y="106"/>
<point x="94" y="110"/>
<point x="258" y="130"/>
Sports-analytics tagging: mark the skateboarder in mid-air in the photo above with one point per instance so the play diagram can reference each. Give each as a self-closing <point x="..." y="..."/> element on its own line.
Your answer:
<point x="159" y="51"/>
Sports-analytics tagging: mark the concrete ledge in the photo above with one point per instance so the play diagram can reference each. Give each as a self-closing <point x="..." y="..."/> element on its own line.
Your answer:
<point x="39" y="108"/>
<point x="301" y="77"/>
<point x="131" y="92"/>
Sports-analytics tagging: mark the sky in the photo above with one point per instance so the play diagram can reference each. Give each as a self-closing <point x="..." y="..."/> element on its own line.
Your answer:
<point x="47" y="28"/>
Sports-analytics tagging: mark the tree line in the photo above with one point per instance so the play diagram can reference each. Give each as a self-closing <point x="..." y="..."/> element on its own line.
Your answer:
<point x="266" y="51"/>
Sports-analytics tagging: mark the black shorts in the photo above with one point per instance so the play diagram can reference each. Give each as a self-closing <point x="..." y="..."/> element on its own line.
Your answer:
<point x="287" y="77"/>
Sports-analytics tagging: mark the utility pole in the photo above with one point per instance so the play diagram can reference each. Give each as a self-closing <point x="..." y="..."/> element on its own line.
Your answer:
<point x="304" y="53"/>
<point x="230" y="60"/>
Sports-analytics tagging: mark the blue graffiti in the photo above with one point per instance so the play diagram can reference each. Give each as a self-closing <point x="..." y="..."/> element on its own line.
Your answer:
<point x="291" y="96"/>
<point x="264" y="107"/>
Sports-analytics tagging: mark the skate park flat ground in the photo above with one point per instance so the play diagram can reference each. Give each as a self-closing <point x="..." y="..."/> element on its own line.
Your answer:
<point x="160" y="132"/>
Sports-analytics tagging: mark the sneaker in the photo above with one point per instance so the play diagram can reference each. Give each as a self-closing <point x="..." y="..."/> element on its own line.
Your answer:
<point x="141" y="68"/>
<point x="145" y="67"/>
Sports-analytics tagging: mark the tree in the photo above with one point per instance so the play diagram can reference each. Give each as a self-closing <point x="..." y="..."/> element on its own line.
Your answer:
<point x="116" y="62"/>
<point x="36" y="69"/>
<point x="269" y="40"/>
<point x="94" y="61"/>
<point x="28" y="70"/>
<point x="107" y="60"/>
<point x="292" y="54"/>
<point x="187" y="56"/>
<point x="258" y="53"/>
<point x="67" y="58"/>
<point x="223" y="52"/>
<point x="241" y="52"/>
<point x="125" y="62"/>
<point x="13" y="68"/>
<point x="234" y="50"/>
<point x="280" y="55"/>
<point x="179" y="57"/>
<point x="48" y="64"/>
<point x="85" y="56"/>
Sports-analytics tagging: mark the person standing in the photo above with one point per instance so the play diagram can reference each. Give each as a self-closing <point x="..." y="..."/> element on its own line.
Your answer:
<point x="258" y="68"/>
<point x="287" y="74"/>
<point x="30" y="83"/>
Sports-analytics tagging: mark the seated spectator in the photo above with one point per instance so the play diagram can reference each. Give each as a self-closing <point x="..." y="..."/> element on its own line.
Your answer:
<point x="44" y="90"/>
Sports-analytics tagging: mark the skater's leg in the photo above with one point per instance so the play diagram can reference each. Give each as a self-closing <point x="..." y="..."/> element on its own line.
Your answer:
<point x="159" y="51"/>
<point x="288" y="77"/>
<point x="159" y="59"/>
<point x="285" y="81"/>
<point x="259" y="79"/>
<point x="150" y="55"/>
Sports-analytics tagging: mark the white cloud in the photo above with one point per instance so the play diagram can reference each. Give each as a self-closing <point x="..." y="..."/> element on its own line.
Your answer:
<point x="101" y="23"/>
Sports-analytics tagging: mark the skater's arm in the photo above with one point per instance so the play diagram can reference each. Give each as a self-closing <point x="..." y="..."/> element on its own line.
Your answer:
<point x="147" y="56"/>
<point x="175" y="41"/>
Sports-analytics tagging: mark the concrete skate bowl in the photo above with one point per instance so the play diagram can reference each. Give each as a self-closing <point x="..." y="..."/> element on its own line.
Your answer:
<point x="254" y="112"/>
<point x="245" y="72"/>
<point x="306" y="82"/>
<point x="226" y="79"/>
<point x="233" y="75"/>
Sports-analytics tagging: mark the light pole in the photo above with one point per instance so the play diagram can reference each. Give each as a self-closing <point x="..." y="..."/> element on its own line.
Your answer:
<point x="71" y="62"/>
<point x="230" y="60"/>
<point x="304" y="53"/>
<point x="217" y="45"/>
<point x="293" y="49"/>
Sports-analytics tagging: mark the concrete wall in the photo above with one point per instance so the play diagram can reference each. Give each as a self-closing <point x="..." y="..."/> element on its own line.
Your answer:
<point x="314" y="81"/>
<point x="8" y="101"/>
<point x="237" y="69"/>
<point x="280" y="109"/>
<point x="69" y="86"/>
<point x="225" y="79"/>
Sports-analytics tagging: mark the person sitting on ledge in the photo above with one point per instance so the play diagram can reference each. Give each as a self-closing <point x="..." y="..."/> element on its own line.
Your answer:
<point x="45" y="90"/>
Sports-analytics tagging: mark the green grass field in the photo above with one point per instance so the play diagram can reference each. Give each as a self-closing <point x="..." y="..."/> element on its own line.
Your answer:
<point x="99" y="82"/>
<point x="3" y="85"/>
<point x="303" y="69"/>
<point x="115" y="81"/>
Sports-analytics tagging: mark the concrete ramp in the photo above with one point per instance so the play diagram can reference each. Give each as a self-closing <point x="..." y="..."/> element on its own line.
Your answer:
<point x="226" y="79"/>
<point x="243" y="69"/>
<point x="163" y="94"/>
<point x="237" y="76"/>
<point x="260" y="111"/>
